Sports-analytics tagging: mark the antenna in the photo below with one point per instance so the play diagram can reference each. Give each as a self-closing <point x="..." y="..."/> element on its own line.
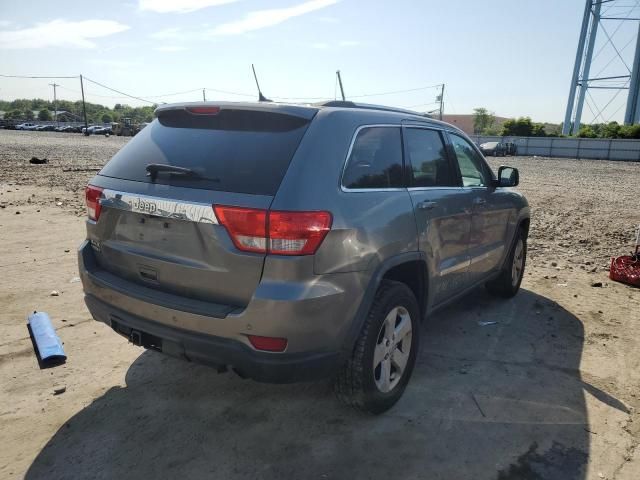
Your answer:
<point x="340" y="82"/>
<point x="261" y="98"/>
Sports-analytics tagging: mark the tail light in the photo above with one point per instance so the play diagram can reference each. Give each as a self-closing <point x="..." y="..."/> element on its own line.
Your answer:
<point x="204" y="110"/>
<point x="268" y="344"/>
<point x="92" y="197"/>
<point x="247" y="227"/>
<point x="273" y="231"/>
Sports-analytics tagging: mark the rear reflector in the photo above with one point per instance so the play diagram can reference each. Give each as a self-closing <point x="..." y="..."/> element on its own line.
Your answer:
<point x="204" y="110"/>
<point x="92" y="197"/>
<point x="273" y="231"/>
<point x="268" y="344"/>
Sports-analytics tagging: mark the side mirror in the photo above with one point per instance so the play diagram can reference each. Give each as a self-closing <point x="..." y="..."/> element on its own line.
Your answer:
<point x="508" y="177"/>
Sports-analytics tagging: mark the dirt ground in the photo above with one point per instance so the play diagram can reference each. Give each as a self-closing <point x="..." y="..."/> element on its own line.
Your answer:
<point x="551" y="391"/>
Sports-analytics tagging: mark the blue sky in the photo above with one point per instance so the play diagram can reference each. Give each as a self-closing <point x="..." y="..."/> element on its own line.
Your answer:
<point x="514" y="57"/>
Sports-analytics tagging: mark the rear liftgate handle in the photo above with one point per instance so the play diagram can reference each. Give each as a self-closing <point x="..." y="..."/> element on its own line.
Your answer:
<point x="426" y="205"/>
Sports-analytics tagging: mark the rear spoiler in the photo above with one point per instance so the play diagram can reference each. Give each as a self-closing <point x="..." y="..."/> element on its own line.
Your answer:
<point x="200" y="108"/>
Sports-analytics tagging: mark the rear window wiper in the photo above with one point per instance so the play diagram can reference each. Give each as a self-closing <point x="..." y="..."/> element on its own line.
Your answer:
<point x="153" y="169"/>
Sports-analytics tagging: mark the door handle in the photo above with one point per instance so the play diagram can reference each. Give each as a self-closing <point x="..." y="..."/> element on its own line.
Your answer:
<point x="479" y="201"/>
<point x="426" y="205"/>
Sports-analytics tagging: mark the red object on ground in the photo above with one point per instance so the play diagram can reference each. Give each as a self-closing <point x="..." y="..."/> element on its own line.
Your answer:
<point x="626" y="269"/>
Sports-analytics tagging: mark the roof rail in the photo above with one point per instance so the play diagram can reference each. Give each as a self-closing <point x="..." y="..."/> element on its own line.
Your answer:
<point x="368" y="106"/>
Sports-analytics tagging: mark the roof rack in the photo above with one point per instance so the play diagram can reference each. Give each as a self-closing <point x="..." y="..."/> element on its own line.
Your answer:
<point x="369" y="106"/>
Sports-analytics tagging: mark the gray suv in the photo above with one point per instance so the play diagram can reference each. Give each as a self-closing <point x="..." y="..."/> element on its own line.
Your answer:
<point x="295" y="242"/>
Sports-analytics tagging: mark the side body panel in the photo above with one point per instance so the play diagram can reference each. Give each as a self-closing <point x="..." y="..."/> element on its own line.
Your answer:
<point x="443" y="236"/>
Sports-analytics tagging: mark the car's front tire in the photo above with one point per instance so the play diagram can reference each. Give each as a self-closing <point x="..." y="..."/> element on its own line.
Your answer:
<point x="374" y="378"/>
<point x="507" y="284"/>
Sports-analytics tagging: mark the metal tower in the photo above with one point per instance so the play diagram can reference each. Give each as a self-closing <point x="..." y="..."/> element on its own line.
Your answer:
<point x="611" y="26"/>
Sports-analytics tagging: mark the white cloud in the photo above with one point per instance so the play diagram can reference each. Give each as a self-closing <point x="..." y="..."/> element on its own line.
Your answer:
<point x="328" y="19"/>
<point x="170" y="48"/>
<point x="60" y="33"/>
<point x="349" y="43"/>
<point x="168" y="34"/>
<point x="179" y="6"/>
<point x="268" y="18"/>
<point x="320" y="45"/>
<point x="4" y="23"/>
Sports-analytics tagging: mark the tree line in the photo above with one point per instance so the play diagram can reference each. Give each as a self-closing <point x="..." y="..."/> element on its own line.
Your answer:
<point x="23" y="109"/>
<point x="484" y="124"/>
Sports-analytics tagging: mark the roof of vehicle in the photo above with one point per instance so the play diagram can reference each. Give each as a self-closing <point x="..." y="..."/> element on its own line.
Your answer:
<point x="307" y="110"/>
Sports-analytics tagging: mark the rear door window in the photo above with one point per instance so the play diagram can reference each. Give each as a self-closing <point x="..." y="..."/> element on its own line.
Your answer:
<point x="427" y="158"/>
<point x="234" y="151"/>
<point x="375" y="160"/>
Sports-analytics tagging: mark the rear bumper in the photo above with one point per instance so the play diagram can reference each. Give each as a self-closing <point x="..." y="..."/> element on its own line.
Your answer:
<point x="314" y="317"/>
<point x="217" y="351"/>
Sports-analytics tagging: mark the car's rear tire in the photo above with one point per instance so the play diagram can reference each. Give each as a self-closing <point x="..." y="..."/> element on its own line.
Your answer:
<point x="374" y="378"/>
<point x="507" y="284"/>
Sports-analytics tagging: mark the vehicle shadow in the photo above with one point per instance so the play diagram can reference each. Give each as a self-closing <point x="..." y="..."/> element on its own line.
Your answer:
<point x="502" y="400"/>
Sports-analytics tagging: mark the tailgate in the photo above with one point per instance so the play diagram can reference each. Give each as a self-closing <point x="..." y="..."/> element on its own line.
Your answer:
<point x="160" y="230"/>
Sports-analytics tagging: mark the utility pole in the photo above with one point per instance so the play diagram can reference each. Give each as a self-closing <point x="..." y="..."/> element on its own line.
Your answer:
<point x="84" y="107"/>
<point x="204" y="98"/>
<point x="340" y="82"/>
<point x="55" y="102"/>
<point x="442" y="101"/>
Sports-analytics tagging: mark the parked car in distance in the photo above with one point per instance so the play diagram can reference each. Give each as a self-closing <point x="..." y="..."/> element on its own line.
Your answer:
<point x="318" y="258"/>
<point x="91" y="129"/>
<point x="103" y="131"/>
<point x="26" y="126"/>
<point x="495" y="149"/>
<point x="510" y="148"/>
<point x="46" y="128"/>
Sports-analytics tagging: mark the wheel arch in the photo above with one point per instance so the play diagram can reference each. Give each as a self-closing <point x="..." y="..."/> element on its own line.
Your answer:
<point x="399" y="268"/>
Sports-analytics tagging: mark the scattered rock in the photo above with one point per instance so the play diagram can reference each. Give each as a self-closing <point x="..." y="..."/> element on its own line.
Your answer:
<point x="597" y="284"/>
<point x="554" y="264"/>
<point x="59" y="390"/>
<point x="38" y="161"/>
<point x="54" y="293"/>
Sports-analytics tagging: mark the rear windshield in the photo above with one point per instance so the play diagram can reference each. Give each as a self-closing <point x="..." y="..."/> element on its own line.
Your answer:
<point x="234" y="151"/>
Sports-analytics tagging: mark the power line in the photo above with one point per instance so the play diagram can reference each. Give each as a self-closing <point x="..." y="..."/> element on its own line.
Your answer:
<point x="226" y="92"/>
<point x="121" y="93"/>
<point x="175" y="93"/>
<point x="36" y="76"/>
<point x="233" y="93"/>
<point x="396" y="91"/>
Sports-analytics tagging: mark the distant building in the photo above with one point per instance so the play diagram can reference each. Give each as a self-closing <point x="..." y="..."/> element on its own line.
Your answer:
<point x="465" y="121"/>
